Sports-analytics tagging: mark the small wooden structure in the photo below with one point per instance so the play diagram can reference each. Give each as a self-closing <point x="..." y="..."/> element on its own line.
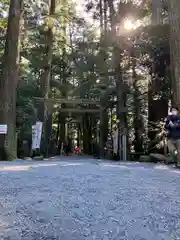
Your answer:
<point x="53" y="104"/>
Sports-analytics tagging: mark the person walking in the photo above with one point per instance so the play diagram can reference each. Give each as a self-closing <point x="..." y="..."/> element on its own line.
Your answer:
<point x="172" y="125"/>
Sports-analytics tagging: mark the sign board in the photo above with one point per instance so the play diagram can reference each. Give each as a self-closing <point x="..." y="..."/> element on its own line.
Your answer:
<point x="3" y="129"/>
<point x="36" y="135"/>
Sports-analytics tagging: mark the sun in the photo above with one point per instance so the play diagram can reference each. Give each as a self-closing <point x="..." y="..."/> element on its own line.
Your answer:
<point x="130" y="24"/>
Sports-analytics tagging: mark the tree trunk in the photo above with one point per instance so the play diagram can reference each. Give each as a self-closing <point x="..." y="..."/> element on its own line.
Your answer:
<point x="79" y="135"/>
<point x="120" y="86"/>
<point x="8" y="82"/>
<point x="174" y="20"/>
<point x="101" y="130"/>
<point x="157" y="19"/>
<point x="101" y="16"/>
<point x="87" y="134"/>
<point x="62" y="130"/>
<point x="103" y="47"/>
<point x="45" y="79"/>
<point x="157" y="12"/>
<point x="137" y="119"/>
<point x="105" y="16"/>
<point x="57" y="133"/>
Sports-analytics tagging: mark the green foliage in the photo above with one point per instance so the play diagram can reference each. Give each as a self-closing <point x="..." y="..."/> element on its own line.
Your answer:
<point x="82" y="64"/>
<point x="26" y="112"/>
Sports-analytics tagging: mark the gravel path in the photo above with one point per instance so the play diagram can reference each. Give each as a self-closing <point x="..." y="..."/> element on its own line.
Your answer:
<point x="86" y="200"/>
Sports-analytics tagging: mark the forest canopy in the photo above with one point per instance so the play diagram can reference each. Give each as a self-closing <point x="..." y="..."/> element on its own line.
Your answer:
<point x="120" y="56"/>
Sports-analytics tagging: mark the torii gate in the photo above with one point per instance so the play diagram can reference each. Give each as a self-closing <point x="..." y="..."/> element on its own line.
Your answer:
<point x="52" y="104"/>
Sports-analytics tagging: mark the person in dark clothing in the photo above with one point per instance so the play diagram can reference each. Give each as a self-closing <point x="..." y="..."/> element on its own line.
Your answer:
<point x="95" y="149"/>
<point x="172" y="125"/>
<point x="67" y="146"/>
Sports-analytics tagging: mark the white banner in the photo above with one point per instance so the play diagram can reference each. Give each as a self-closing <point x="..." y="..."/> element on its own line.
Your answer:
<point x="36" y="135"/>
<point x="33" y="137"/>
<point x="3" y="129"/>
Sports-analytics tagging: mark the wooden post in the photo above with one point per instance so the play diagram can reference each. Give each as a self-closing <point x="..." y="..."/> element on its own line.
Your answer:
<point x="47" y="128"/>
<point x="101" y="137"/>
